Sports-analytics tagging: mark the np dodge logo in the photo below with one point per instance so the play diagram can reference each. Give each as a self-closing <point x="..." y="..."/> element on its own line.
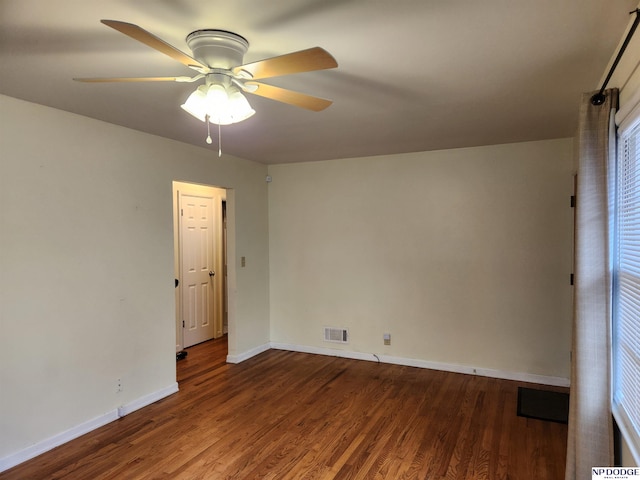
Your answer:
<point x="617" y="473"/>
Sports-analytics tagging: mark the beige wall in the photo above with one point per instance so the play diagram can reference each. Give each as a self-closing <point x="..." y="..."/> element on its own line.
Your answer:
<point x="463" y="255"/>
<point x="86" y="265"/>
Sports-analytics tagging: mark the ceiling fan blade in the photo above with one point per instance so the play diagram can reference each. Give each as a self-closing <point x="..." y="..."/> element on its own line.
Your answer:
<point x="128" y="79"/>
<point x="141" y="35"/>
<point x="303" y="61"/>
<point x="288" y="96"/>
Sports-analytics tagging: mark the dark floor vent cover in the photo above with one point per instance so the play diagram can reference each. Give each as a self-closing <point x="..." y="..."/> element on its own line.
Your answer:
<point x="543" y="405"/>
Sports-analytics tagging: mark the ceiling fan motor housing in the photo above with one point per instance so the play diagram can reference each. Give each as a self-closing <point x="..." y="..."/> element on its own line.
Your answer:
<point x="217" y="48"/>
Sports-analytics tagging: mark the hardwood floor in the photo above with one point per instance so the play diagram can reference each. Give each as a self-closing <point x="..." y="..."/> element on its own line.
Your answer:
<point x="285" y="415"/>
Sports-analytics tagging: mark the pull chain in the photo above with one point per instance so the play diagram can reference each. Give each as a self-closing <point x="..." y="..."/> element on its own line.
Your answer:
<point x="209" y="141"/>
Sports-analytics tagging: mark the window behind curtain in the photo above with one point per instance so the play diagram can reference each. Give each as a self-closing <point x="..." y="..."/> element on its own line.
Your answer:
<point x="626" y="288"/>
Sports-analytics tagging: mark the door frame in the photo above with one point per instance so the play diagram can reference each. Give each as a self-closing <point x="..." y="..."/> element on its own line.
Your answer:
<point x="228" y="197"/>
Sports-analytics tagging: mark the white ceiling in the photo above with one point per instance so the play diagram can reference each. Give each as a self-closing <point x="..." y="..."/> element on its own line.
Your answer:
<point x="413" y="75"/>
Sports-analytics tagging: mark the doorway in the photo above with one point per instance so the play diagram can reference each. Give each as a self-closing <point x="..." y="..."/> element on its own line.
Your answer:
<point x="199" y="263"/>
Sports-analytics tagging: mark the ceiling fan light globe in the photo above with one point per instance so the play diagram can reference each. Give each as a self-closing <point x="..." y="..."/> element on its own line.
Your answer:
<point x="196" y="104"/>
<point x="216" y="97"/>
<point x="245" y="115"/>
<point x="223" y="106"/>
<point x="239" y="107"/>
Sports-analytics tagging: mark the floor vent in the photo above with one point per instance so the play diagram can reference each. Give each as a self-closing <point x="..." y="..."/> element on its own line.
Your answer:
<point x="336" y="335"/>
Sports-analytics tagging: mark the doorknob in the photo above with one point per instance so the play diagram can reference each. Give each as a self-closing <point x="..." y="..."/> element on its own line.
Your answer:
<point x="211" y="273"/>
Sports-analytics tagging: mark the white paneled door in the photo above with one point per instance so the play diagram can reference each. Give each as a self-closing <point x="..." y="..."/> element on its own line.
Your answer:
<point x="199" y="220"/>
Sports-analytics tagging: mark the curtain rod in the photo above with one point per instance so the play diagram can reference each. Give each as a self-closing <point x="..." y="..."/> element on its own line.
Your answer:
<point x="598" y="98"/>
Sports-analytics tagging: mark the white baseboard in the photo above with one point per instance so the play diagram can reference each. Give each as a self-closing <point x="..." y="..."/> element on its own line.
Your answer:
<point x="52" y="442"/>
<point x="57" y="440"/>
<point x="153" y="397"/>
<point x="248" y="354"/>
<point x="411" y="362"/>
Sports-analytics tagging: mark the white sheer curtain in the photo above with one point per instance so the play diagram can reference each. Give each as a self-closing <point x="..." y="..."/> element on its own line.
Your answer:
<point x="590" y="438"/>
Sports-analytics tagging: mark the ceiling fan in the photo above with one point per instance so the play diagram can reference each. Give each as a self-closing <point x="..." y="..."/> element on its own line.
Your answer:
<point x="217" y="58"/>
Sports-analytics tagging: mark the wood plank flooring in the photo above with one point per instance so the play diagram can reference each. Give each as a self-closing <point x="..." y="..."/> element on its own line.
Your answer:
<point x="286" y="415"/>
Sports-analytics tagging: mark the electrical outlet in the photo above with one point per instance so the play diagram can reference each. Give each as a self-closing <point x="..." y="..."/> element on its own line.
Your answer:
<point x="119" y="385"/>
<point x="387" y="338"/>
<point x="243" y="261"/>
